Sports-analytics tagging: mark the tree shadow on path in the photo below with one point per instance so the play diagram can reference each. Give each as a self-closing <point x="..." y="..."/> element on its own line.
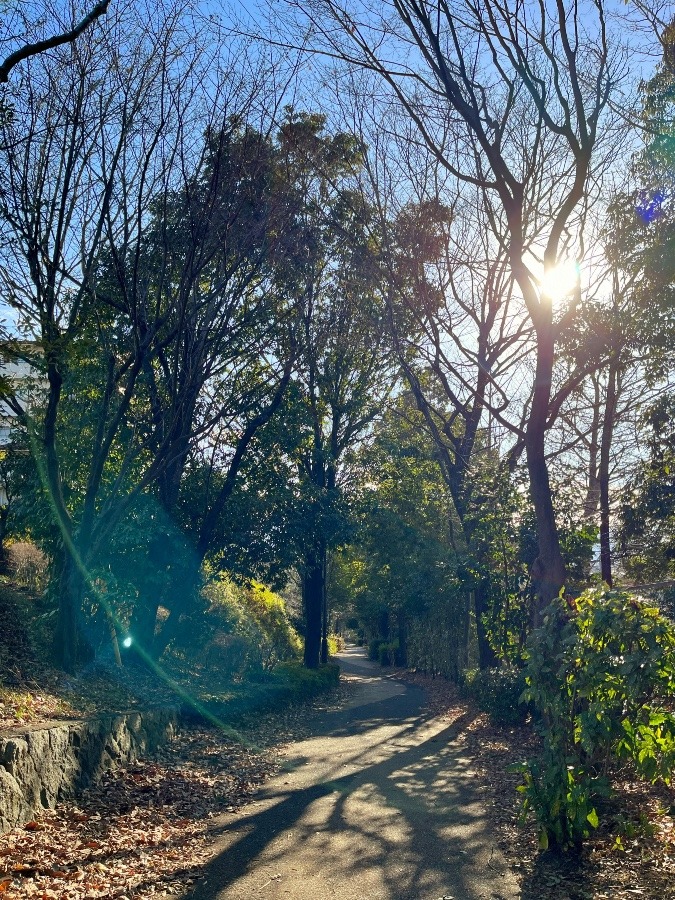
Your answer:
<point x="380" y="804"/>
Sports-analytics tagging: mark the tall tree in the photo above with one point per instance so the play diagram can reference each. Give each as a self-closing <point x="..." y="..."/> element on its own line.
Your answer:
<point x="453" y="324"/>
<point x="225" y="354"/>
<point x="104" y="136"/>
<point x="647" y="532"/>
<point x="642" y="241"/>
<point x="515" y="103"/>
<point x="402" y="561"/>
<point x="345" y="369"/>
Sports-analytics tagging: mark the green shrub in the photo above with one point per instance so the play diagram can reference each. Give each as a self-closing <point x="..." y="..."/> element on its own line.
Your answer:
<point x="387" y="653"/>
<point x="374" y="649"/>
<point x="288" y="683"/>
<point x="601" y="677"/>
<point x="307" y="683"/>
<point x="250" y="631"/>
<point x="336" y="643"/>
<point x="498" y="692"/>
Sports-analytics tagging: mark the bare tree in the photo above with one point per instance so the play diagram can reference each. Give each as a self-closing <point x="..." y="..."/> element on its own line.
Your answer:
<point x="65" y="35"/>
<point x="513" y="101"/>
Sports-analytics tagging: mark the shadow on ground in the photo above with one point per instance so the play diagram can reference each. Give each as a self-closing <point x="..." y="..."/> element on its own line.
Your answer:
<point x="379" y="804"/>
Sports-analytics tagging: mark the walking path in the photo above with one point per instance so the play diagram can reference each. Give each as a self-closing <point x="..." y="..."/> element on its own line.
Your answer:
<point x="379" y="804"/>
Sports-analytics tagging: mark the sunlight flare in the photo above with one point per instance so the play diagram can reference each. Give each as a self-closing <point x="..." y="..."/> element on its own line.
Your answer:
<point x="561" y="281"/>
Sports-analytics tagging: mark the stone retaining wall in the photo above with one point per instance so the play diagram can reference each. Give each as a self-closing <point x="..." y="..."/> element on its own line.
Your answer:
<point x="40" y="766"/>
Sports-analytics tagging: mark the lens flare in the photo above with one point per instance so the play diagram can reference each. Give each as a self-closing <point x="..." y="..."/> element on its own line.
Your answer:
<point x="560" y="281"/>
<point x="649" y="206"/>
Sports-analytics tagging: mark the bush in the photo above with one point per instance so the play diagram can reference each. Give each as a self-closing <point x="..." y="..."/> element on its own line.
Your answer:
<point x="250" y="630"/>
<point x="307" y="683"/>
<point x="28" y="565"/>
<point x="289" y="683"/>
<point x="374" y="649"/>
<point x="388" y="653"/>
<point x="602" y="677"/>
<point x="498" y="692"/>
<point x="336" y="643"/>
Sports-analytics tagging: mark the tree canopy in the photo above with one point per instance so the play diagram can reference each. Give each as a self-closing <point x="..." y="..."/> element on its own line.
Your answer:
<point x="374" y="308"/>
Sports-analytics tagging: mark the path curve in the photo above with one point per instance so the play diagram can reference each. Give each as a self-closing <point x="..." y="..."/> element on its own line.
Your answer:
<point x="380" y="804"/>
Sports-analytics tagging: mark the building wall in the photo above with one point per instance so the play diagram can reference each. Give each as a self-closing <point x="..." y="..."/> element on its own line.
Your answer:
<point x="29" y="386"/>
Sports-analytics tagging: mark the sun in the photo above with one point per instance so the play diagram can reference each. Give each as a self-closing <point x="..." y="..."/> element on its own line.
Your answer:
<point x="559" y="282"/>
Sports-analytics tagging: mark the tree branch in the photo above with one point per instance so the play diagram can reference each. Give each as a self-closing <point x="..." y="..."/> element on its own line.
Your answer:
<point x="66" y="37"/>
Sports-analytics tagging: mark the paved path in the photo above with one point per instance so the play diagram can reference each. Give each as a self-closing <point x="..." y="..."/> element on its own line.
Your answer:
<point x="379" y="804"/>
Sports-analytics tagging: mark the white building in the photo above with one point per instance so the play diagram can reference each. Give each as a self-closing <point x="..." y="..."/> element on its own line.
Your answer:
<point x="26" y="383"/>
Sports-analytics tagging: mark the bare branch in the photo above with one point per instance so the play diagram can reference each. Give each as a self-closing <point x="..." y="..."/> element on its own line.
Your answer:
<point x="66" y="37"/>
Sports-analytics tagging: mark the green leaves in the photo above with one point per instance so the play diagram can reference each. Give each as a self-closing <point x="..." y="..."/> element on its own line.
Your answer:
<point x="648" y="504"/>
<point x="599" y="680"/>
<point x="500" y="692"/>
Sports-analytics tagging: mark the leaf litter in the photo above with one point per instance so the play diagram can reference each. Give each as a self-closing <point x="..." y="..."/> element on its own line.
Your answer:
<point x="143" y="831"/>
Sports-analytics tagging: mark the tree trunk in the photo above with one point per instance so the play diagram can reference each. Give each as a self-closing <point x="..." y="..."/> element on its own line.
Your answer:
<point x="402" y="638"/>
<point x="487" y="658"/>
<point x="142" y="631"/>
<point x="324" y="604"/>
<point x="172" y="628"/>
<point x="4" y="515"/>
<point x="593" y="490"/>
<point x="72" y="647"/>
<point x="548" y="570"/>
<point x="605" y="447"/>
<point x="312" y="594"/>
<point x="383" y="624"/>
<point x="462" y="656"/>
<point x="113" y="636"/>
<point x="182" y="597"/>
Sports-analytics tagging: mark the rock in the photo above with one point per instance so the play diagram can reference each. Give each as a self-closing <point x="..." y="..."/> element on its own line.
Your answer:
<point x="13" y="806"/>
<point x="40" y="766"/>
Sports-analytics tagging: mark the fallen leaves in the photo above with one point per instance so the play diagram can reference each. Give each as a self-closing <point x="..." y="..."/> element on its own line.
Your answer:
<point x="144" y="831"/>
<point x="33" y="692"/>
<point x="140" y="832"/>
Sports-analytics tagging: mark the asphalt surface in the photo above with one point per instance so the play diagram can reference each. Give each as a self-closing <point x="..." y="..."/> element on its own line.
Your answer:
<point x="378" y="804"/>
